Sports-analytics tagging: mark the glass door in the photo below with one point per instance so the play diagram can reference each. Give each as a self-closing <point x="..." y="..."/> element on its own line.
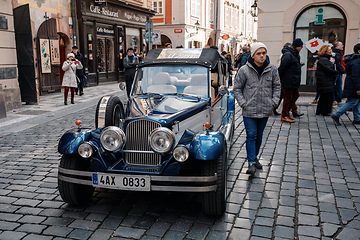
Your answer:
<point x="325" y="22"/>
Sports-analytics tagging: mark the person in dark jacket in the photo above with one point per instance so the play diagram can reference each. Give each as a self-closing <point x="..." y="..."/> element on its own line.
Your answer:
<point x="325" y="80"/>
<point x="80" y="73"/>
<point x="290" y="76"/>
<point x="243" y="58"/>
<point x="352" y="87"/>
<point x="340" y="67"/>
<point x="130" y="63"/>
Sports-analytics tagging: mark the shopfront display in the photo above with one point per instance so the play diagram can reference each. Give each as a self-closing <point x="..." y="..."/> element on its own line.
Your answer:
<point x="105" y="32"/>
<point x="325" y="22"/>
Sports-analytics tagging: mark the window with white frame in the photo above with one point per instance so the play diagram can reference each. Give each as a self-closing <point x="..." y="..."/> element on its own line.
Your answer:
<point x="212" y="7"/>
<point x="237" y="18"/>
<point x="233" y="17"/>
<point x="158" y="6"/>
<point x="226" y="16"/>
<point x="195" y="8"/>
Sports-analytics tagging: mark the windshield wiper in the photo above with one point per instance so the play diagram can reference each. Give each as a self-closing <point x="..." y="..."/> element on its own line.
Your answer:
<point x="150" y="93"/>
<point x="188" y="95"/>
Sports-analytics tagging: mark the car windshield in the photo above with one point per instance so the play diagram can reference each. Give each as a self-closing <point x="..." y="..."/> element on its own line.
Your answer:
<point x="172" y="79"/>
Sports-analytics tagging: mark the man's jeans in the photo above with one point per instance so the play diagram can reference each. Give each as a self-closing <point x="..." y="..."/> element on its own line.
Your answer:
<point x="338" y="87"/>
<point x="254" y="132"/>
<point x="353" y="103"/>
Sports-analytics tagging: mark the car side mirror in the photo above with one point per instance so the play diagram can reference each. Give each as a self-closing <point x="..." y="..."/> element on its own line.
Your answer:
<point x="223" y="90"/>
<point x="122" y="85"/>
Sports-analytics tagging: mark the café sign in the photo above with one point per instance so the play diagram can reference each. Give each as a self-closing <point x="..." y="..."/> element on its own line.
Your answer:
<point x="103" y="11"/>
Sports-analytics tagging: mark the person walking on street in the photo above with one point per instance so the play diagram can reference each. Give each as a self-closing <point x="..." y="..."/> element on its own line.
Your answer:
<point x="352" y="87"/>
<point x="69" y="80"/>
<point x="243" y="58"/>
<point x="80" y="73"/>
<point x="257" y="91"/>
<point x="325" y="80"/>
<point x="130" y="63"/>
<point x="340" y="67"/>
<point x="290" y="75"/>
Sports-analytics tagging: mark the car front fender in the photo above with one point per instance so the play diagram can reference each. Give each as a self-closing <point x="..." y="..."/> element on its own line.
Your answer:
<point x="70" y="141"/>
<point x="208" y="145"/>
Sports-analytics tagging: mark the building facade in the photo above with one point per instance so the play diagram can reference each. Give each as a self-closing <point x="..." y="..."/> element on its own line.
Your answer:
<point x="313" y="21"/>
<point x="9" y="86"/>
<point x="106" y="31"/>
<point x="203" y="23"/>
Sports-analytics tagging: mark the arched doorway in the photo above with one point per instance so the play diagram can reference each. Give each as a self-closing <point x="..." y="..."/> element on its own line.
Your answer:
<point x="164" y="40"/>
<point x="326" y="22"/>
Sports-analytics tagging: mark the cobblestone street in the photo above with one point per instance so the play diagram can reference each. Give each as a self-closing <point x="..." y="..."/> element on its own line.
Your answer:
<point x="308" y="189"/>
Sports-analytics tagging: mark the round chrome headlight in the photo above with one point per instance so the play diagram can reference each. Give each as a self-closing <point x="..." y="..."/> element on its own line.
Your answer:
<point x="181" y="153"/>
<point x="85" y="150"/>
<point x="161" y="140"/>
<point x="112" y="138"/>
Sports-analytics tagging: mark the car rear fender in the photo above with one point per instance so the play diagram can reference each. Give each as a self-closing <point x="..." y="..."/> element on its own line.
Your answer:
<point x="70" y="141"/>
<point x="207" y="145"/>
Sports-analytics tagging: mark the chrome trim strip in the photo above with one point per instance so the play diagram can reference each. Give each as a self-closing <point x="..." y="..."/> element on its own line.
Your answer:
<point x="75" y="180"/>
<point x="183" y="189"/>
<point x="102" y="110"/>
<point x="184" y="179"/>
<point x="74" y="172"/>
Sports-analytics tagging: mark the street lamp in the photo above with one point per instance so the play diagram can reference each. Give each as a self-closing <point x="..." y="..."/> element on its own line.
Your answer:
<point x="254" y="10"/>
<point x="197" y="26"/>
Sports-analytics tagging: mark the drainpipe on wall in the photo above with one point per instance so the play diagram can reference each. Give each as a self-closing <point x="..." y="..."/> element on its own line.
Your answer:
<point x="216" y="21"/>
<point x="74" y="22"/>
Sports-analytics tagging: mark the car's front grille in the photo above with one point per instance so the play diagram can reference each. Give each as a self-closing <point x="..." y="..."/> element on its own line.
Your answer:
<point x="137" y="135"/>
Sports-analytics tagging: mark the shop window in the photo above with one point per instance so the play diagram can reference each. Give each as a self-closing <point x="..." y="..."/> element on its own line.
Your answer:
<point x="89" y="48"/>
<point x="105" y="49"/>
<point x="325" y="22"/>
<point x="133" y="38"/>
<point x="122" y="53"/>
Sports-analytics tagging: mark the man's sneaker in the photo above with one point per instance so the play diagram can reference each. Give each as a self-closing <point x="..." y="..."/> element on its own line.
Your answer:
<point x="257" y="164"/>
<point x="251" y="170"/>
<point x="336" y="120"/>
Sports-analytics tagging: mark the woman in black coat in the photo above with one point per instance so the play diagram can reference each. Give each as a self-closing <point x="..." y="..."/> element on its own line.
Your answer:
<point x="325" y="80"/>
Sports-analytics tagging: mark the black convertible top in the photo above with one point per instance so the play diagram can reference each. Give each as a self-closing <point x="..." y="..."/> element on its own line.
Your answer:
<point x="208" y="57"/>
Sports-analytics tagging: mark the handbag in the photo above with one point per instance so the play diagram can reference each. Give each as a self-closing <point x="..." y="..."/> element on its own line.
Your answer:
<point x="77" y="80"/>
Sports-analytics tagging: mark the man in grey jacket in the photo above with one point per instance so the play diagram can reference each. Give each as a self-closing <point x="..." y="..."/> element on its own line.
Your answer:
<point x="257" y="91"/>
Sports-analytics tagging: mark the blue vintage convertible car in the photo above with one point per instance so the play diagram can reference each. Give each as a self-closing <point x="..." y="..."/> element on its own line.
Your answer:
<point x="173" y="135"/>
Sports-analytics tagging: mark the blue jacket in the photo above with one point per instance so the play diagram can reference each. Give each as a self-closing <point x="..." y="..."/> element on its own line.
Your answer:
<point x="352" y="80"/>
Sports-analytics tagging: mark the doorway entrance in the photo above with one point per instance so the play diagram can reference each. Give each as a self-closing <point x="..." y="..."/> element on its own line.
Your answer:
<point x="326" y="22"/>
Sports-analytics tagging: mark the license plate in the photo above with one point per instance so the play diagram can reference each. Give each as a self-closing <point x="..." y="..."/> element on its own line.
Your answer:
<point x="121" y="182"/>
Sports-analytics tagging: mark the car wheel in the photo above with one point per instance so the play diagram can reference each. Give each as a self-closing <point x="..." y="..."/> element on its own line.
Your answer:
<point x="109" y="111"/>
<point x="72" y="193"/>
<point x="214" y="203"/>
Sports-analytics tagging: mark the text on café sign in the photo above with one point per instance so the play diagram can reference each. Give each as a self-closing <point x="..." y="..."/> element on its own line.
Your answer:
<point x="103" y="11"/>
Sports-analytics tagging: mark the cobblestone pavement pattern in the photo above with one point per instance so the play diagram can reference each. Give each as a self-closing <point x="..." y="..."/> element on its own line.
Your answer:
<point x="309" y="187"/>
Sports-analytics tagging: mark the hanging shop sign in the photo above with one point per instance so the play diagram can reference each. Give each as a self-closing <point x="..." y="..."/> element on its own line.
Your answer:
<point x="45" y="56"/>
<point x="225" y="36"/>
<point x="105" y="31"/>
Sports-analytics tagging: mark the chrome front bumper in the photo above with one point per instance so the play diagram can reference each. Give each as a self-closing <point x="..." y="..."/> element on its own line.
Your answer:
<point x="158" y="183"/>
